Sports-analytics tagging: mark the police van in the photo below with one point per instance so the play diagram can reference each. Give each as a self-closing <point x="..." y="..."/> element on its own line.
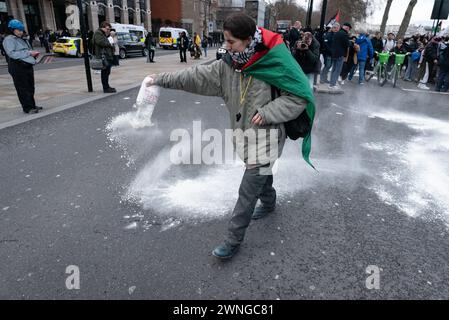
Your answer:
<point x="138" y="32"/>
<point x="168" y="37"/>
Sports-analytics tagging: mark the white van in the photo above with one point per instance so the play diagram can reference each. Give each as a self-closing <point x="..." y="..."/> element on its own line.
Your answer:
<point x="138" y="31"/>
<point x="168" y="37"/>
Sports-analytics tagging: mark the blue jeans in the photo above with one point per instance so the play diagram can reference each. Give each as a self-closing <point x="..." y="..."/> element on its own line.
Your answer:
<point x="362" y="65"/>
<point x="325" y="71"/>
<point x="205" y="51"/>
<point x="410" y="73"/>
<point x="337" y="65"/>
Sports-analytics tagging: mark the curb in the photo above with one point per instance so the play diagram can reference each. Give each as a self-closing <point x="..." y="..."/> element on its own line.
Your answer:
<point x="75" y="104"/>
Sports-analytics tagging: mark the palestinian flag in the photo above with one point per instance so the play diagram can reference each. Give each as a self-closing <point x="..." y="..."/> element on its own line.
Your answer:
<point x="334" y="19"/>
<point x="277" y="67"/>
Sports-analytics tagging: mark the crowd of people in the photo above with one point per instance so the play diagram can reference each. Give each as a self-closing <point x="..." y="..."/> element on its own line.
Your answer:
<point x="337" y="54"/>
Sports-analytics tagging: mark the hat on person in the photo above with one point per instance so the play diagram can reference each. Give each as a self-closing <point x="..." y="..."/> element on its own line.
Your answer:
<point x="347" y="24"/>
<point x="16" y="24"/>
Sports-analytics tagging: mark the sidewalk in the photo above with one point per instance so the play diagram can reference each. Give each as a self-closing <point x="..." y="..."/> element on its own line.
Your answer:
<point x="56" y="88"/>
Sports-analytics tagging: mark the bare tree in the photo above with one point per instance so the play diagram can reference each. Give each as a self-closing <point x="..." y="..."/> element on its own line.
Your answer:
<point x="406" y="20"/>
<point x="385" y="17"/>
<point x="350" y="10"/>
<point x="286" y="10"/>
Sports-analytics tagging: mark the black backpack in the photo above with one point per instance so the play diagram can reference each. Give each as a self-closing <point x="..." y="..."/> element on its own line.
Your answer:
<point x="296" y="128"/>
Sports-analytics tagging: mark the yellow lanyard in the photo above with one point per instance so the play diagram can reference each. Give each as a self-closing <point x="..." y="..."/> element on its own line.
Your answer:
<point x="243" y="94"/>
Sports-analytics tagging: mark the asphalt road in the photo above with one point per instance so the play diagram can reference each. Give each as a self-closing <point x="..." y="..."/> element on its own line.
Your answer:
<point x="110" y="202"/>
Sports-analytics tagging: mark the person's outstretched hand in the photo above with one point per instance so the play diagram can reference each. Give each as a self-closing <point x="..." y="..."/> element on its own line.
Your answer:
<point x="150" y="80"/>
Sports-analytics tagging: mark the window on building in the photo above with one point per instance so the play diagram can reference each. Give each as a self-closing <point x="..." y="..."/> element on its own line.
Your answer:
<point x="3" y="7"/>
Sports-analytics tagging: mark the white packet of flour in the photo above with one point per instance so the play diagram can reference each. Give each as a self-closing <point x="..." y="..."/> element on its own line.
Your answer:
<point x="145" y="103"/>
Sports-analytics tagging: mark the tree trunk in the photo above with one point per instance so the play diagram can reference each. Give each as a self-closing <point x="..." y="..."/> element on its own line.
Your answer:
<point x="406" y="21"/>
<point x="385" y="17"/>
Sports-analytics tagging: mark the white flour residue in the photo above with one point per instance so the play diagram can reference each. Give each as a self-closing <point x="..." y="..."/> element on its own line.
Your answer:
<point x="418" y="184"/>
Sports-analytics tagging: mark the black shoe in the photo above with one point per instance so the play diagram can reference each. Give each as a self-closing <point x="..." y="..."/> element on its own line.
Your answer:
<point x="32" y="110"/>
<point x="39" y="108"/>
<point x="109" y="90"/>
<point x="261" y="212"/>
<point x="225" y="251"/>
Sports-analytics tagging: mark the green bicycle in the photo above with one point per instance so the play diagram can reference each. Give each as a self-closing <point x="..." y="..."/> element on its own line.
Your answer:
<point x="381" y="69"/>
<point x="397" y="68"/>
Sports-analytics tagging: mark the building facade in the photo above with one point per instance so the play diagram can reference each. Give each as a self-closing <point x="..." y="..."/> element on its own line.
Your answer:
<point x="201" y="16"/>
<point x="63" y="15"/>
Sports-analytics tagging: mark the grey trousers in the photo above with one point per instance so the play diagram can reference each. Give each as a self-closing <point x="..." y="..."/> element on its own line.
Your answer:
<point x="254" y="186"/>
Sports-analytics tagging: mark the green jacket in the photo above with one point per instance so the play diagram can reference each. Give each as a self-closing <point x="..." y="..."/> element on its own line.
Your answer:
<point x="102" y="45"/>
<point x="219" y="79"/>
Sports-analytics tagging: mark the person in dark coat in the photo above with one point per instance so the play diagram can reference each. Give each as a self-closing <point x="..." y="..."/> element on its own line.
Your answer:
<point x="340" y="45"/>
<point x="294" y="34"/>
<point x="183" y="43"/>
<point x="150" y="45"/>
<point x="351" y="61"/>
<point x="326" y="50"/>
<point x="443" y="64"/>
<point x="102" y="46"/>
<point x="307" y="53"/>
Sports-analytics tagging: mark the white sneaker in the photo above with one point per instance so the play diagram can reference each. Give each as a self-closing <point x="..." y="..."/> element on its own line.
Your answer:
<point x="423" y="86"/>
<point x="342" y="82"/>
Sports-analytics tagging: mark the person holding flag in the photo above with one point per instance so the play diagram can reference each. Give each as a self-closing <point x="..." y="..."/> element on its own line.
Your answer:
<point x="257" y="62"/>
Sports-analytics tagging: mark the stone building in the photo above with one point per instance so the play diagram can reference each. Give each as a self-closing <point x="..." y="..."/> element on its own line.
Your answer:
<point x="58" y="14"/>
<point x="194" y="15"/>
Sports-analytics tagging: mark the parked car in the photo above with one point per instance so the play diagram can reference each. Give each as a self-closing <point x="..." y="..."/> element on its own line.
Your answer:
<point x="68" y="46"/>
<point x="130" y="44"/>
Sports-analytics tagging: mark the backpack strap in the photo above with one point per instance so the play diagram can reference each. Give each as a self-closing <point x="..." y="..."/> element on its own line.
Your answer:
<point x="275" y="92"/>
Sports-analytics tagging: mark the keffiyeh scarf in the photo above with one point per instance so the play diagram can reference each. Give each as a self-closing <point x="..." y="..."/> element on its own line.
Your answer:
<point x="241" y="58"/>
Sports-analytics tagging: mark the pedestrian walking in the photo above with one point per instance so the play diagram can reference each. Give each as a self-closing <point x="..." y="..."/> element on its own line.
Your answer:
<point x="365" y="53"/>
<point x="412" y="46"/>
<point x="103" y="48"/>
<point x="21" y="60"/>
<point x="326" y="49"/>
<point x="350" y="61"/>
<point x="443" y="64"/>
<point x="113" y="39"/>
<point x="150" y="45"/>
<point x="245" y="87"/>
<point x="204" y="45"/>
<point x="196" y="46"/>
<point x="428" y="61"/>
<point x="183" y="42"/>
<point x="340" y="45"/>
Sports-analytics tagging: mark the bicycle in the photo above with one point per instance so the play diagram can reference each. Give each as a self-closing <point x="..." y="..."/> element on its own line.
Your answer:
<point x="398" y="62"/>
<point x="380" y="69"/>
